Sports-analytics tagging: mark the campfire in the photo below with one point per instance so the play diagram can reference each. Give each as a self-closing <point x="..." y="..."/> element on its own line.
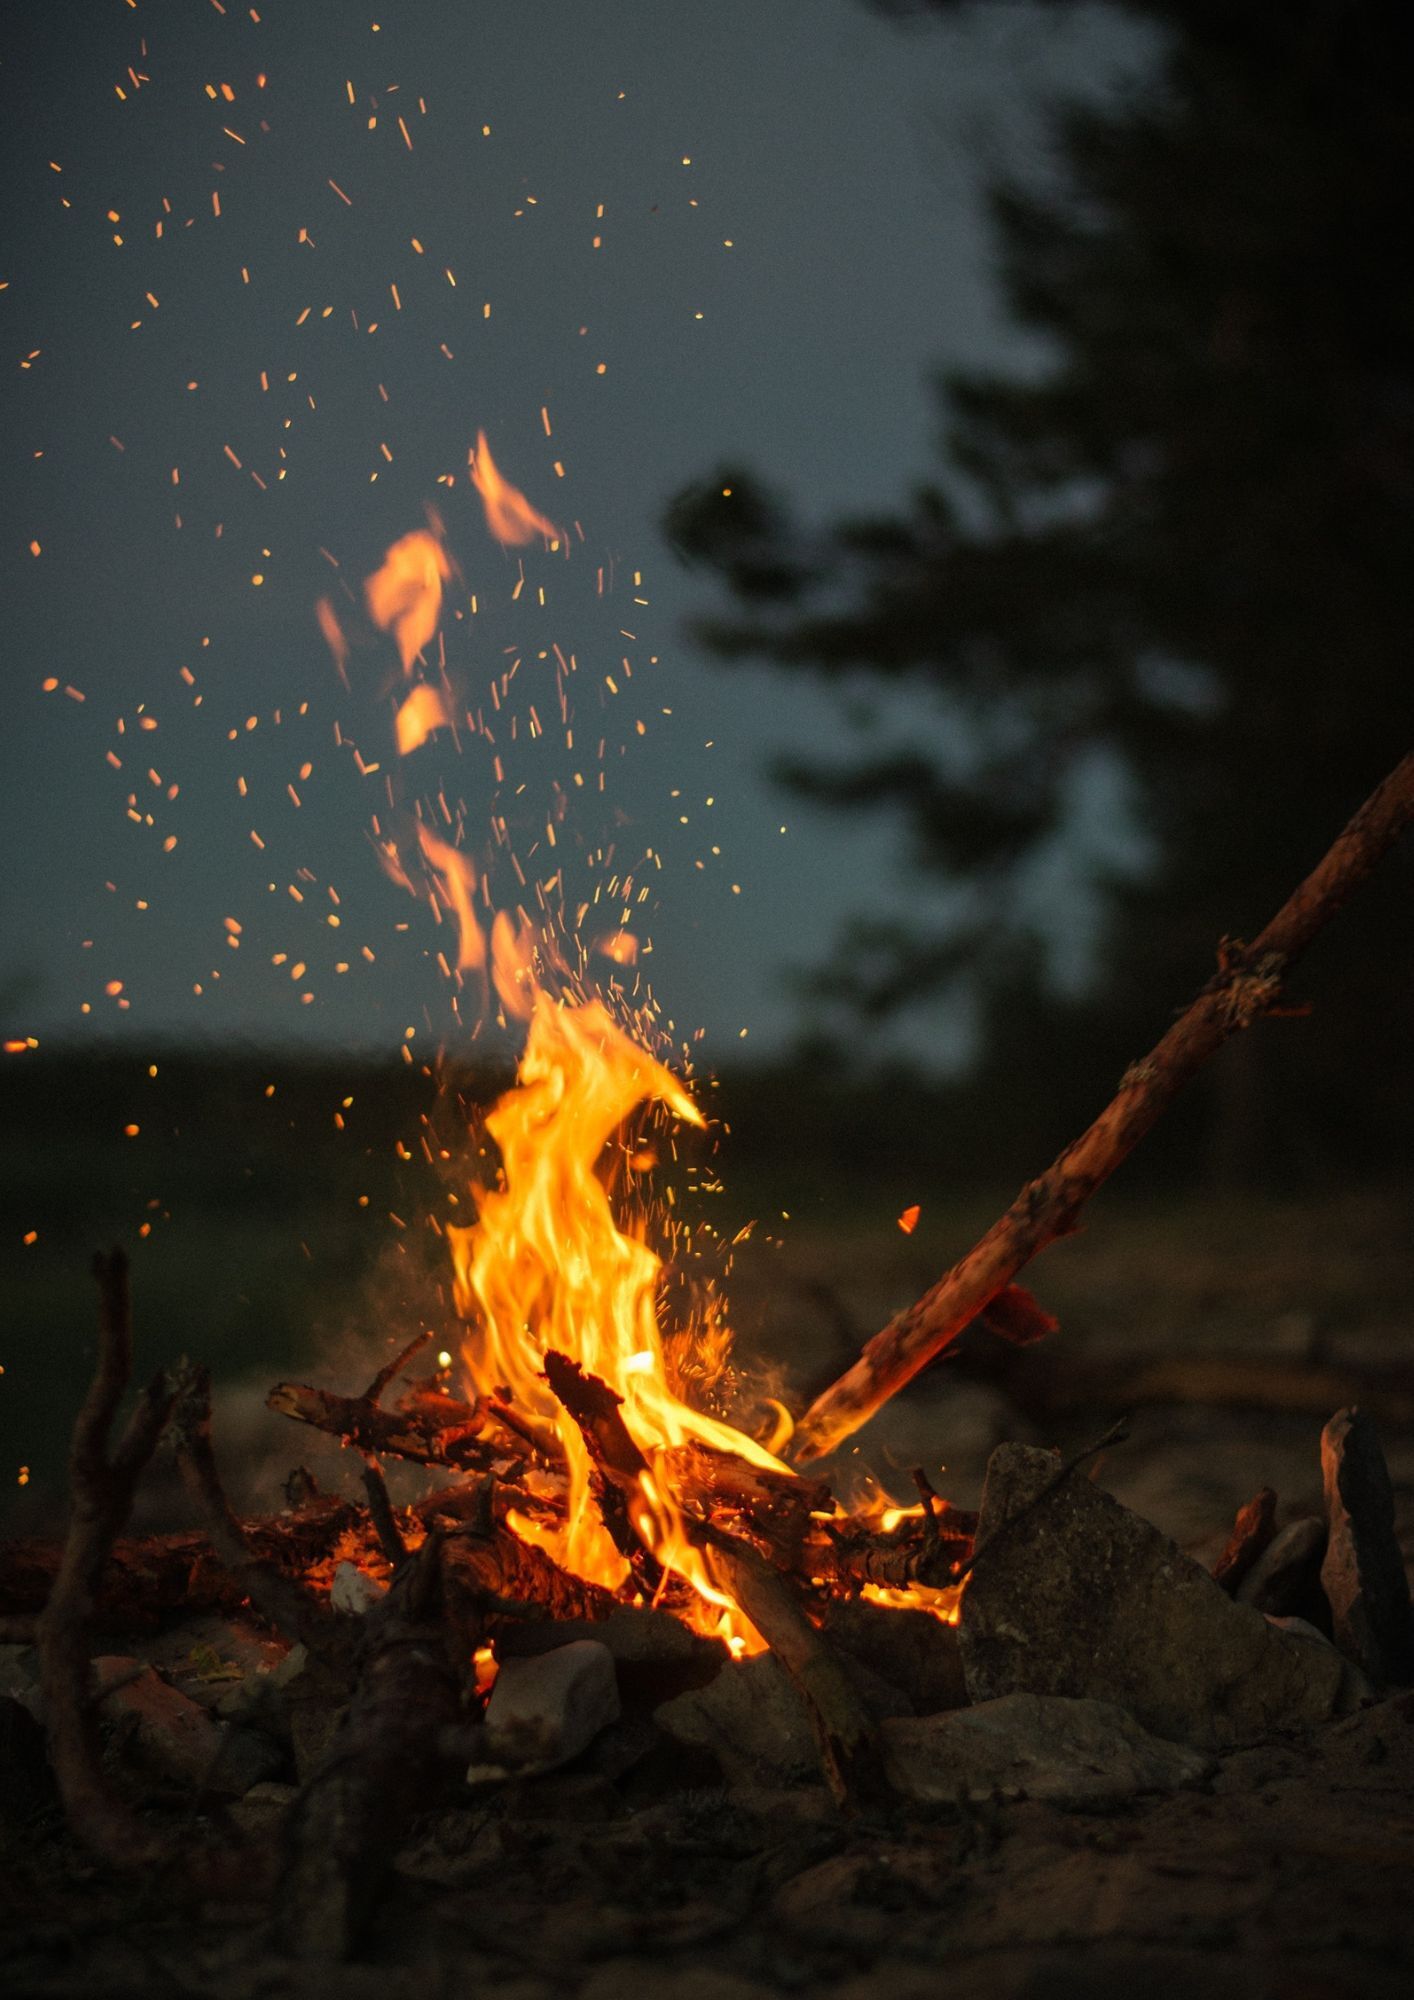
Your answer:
<point x="610" y="1526"/>
<point x="598" y="1533"/>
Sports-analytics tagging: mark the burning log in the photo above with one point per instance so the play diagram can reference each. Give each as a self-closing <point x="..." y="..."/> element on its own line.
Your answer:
<point x="429" y="1430"/>
<point x="488" y="1573"/>
<point x="150" y="1575"/>
<point x="1247" y="985"/>
<point x="849" y="1754"/>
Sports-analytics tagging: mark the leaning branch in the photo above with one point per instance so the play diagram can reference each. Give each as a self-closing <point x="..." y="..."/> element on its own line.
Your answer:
<point x="102" y="1488"/>
<point x="1247" y="985"/>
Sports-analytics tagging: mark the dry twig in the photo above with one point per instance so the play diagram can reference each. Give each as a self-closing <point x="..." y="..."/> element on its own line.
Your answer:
<point x="288" y="1605"/>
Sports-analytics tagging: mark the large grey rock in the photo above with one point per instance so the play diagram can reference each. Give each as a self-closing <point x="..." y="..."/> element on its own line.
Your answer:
<point x="1035" y="1746"/>
<point x="174" y="1735"/>
<point x="545" y="1710"/>
<point x="1363" y="1571"/>
<point x="754" y="1723"/>
<point x="1082" y="1598"/>
<point x="1357" y="1684"/>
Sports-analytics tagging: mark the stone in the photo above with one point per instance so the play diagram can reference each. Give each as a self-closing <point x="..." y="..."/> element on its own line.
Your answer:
<point x="354" y="1592"/>
<point x="1287" y="1574"/>
<point x="543" y="1711"/>
<point x="223" y="1663"/>
<point x="174" y="1736"/>
<point x="1357" y="1687"/>
<point x="1363" y="1571"/>
<point x="755" y="1725"/>
<point x="1252" y="1531"/>
<point x="261" y="1814"/>
<point x="314" y="1702"/>
<point x="1082" y="1598"/>
<point x="656" y="1656"/>
<point x="26" y="1781"/>
<point x="19" y="1678"/>
<point x="1066" y="1752"/>
<point x="911" y="1650"/>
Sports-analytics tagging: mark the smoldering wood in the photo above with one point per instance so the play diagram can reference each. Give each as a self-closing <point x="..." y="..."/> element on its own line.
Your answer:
<point x="380" y="1513"/>
<point x="383" y="1766"/>
<point x="429" y="1430"/>
<point x="148" y="1576"/>
<point x="1247" y="985"/>
<point x="487" y="1573"/>
<point x="284" y="1599"/>
<point x="845" y="1738"/>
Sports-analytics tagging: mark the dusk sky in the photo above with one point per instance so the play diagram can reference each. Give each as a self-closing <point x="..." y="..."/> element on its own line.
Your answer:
<point x="627" y="241"/>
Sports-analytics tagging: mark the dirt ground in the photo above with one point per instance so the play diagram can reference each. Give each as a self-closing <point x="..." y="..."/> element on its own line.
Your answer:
<point x="1286" y="1876"/>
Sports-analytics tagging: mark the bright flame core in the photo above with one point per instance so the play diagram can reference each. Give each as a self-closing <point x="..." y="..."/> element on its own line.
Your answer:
<point x="546" y="1267"/>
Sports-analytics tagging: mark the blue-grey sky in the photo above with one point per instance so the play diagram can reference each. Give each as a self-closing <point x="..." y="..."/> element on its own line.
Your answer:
<point x="680" y="232"/>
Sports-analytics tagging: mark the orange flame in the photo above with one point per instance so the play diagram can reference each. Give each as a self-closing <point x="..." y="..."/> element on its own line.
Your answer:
<point x="908" y="1221"/>
<point x="333" y="636"/>
<point x="509" y="515"/>
<point x="546" y="1267"/>
<point x="457" y="876"/>
<point x="404" y="597"/>
<point x="422" y="712"/>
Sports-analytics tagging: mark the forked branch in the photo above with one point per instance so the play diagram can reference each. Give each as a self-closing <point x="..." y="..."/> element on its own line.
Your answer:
<point x="1247" y="984"/>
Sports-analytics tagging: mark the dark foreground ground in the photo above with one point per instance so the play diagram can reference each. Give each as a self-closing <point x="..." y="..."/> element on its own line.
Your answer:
<point x="1229" y="1329"/>
<point x="1287" y="1876"/>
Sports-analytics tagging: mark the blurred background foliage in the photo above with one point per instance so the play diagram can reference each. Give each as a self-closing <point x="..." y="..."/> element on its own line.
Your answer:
<point x="1157" y="600"/>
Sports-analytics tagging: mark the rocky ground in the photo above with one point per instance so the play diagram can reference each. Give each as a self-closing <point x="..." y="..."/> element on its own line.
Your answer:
<point x="1284" y="1874"/>
<point x="656" y="1861"/>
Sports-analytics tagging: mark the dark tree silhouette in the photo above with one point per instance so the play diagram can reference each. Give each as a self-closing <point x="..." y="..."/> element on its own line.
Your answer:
<point x="1178" y="553"/>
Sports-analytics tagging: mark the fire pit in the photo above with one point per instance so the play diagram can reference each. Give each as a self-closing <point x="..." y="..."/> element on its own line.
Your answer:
<point x="616" y="1608"/>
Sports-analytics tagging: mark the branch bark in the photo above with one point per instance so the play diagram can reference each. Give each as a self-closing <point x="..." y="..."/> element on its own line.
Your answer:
<point x="1247" y="985"/>
<point x="101" y="1489"/>
<point x="845" y="1737"/>
<point x="433" y="1430"/>
<point x="285" y="1601"/>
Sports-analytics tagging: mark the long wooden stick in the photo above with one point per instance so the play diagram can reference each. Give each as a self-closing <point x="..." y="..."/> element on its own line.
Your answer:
<point x="1247" y="985"/>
